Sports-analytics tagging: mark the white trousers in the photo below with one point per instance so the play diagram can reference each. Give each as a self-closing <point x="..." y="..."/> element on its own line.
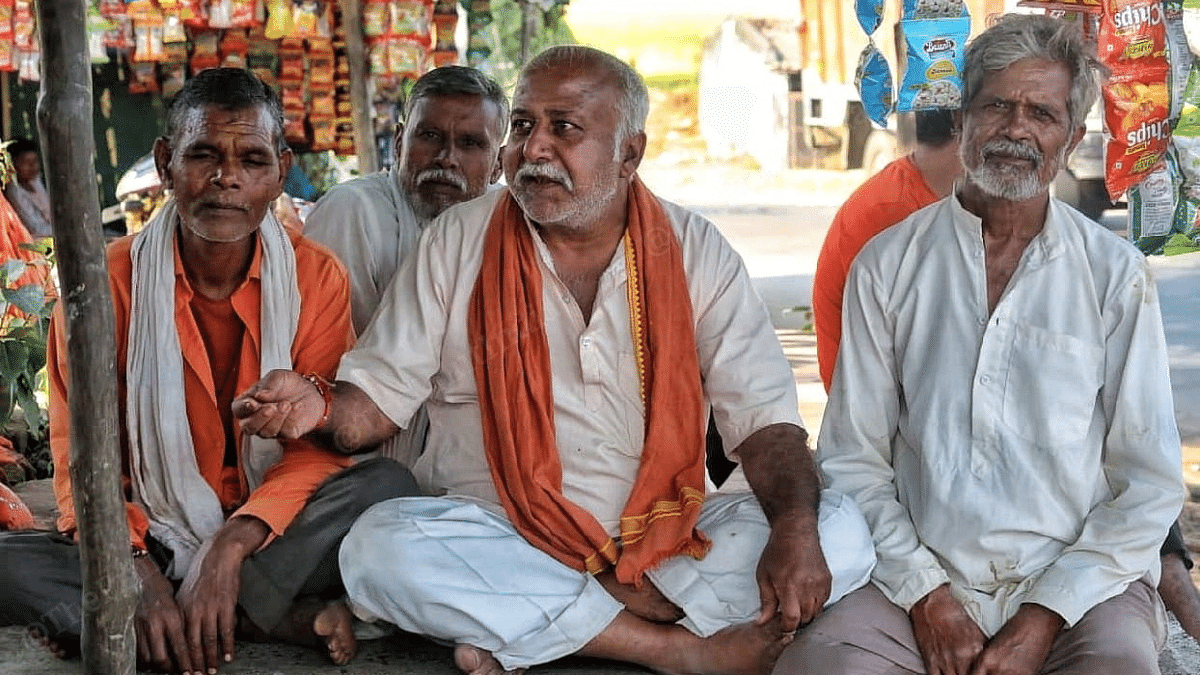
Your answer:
<point x="454" y="571"/>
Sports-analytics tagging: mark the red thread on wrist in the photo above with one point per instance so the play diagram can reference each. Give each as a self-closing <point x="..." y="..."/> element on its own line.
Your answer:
<point x="326" y="390"/>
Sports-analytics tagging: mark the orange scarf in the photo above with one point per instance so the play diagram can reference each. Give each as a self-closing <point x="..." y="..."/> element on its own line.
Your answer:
<point x="512" y="369"/>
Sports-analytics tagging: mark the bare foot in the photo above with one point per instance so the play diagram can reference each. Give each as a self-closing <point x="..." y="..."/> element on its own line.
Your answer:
<point x="648" y="603"/>
<point x="335" y="625"/>
<point x="315" y="623"/>
<point x="62" y="649"/>
<point x="745" y="649"/>
<point x="476" y="661"/>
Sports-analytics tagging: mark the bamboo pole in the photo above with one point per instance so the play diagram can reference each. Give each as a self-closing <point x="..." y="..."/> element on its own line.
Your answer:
<point x="64" y="115"/>
<point x="360" y="104"/>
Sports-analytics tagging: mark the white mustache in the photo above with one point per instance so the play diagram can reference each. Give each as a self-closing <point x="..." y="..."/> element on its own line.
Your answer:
<point x="1013" y="149"/>
<point x="544" y="171"/>
<point x="442" y="176"/>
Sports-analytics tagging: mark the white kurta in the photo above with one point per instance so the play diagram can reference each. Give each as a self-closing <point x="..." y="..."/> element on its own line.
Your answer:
<point x="1029" y="454"/>
<point x="371" y="228"/>
<point x="369" y="225"/>
<point x="418" y="348"/>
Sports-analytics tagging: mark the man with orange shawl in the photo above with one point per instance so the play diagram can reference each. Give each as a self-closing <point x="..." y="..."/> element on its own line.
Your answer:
<point x="570" y="350"/>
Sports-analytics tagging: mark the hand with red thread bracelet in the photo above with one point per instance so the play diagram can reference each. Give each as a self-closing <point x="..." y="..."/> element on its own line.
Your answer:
<point x="325" y="388"/>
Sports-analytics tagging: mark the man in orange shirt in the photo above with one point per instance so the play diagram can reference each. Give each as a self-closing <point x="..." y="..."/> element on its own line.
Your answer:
<point x="900" y="188"/>
<point x="226" y="532"/>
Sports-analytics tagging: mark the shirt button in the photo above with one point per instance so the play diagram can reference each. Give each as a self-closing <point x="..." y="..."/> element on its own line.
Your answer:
<point x="984" y="379"/>
<point x="586" y="342"/>
<point x="983" y="321"/>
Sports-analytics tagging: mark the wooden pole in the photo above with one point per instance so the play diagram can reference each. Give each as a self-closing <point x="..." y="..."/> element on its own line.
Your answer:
<point x="64" y="115"/>
<point x="528" y="29"/>
<point x="360" y="104"/>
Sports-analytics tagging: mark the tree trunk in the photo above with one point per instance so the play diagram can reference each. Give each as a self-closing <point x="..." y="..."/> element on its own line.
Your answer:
<point x="64" y="115"/>
<point x="361" y="109"/>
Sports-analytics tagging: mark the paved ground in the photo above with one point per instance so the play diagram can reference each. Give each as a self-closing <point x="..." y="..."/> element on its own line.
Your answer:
<point x="777" y="222"/>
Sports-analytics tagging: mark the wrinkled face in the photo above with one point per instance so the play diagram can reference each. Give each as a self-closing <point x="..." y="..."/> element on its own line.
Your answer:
<point x="449" y="151"/>
<point x="1016" y="132"/>
<point x="27" y="167"/>
<point x="224" y="169"/>
<point x="563" y="160"/>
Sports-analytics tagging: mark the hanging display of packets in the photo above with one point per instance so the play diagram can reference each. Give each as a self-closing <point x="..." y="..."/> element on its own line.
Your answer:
<point x="445" y="21"/>
<point x="479" y="18"/>
<point x="872" y="77"/>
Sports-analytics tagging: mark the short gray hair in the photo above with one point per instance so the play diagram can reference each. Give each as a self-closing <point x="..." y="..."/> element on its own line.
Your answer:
<point x="231" y="89"/>
<point x="634" y="104"/>
<point x="1035" y="36"/>
<point x="460" y="80"/>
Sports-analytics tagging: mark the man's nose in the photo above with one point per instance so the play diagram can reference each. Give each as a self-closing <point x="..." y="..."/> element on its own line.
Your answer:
<point x="447" y="155"/>
<point x="538" y="145"/>
<point x="228" y="175"/>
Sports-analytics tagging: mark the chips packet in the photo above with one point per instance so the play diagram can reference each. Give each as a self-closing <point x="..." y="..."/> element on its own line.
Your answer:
<point x="874" y="82"/>
<point x="933" y="76"/>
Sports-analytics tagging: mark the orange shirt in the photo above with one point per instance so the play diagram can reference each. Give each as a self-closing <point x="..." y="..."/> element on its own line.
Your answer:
<point x="882" y="201"/>
<point x="12" y="235"/>
<point x="324" y="333"/>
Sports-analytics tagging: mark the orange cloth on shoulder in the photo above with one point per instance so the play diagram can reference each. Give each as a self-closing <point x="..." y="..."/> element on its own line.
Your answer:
<point x="512" y="369"/>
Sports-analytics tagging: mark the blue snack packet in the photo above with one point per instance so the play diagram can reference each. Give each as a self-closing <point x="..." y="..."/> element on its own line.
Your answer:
<point x="874" y="82"/>
<point x="933" y="76"/>
<point x="870" y="14"/>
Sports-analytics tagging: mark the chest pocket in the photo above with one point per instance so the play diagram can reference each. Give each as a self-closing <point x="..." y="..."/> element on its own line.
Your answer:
<point x="1052" y="387"/>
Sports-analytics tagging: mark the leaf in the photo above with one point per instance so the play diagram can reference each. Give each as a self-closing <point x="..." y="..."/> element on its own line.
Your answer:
<point x="28" y="403"/>
<point x="13" y="269"/>
<point x="28" y="298"/>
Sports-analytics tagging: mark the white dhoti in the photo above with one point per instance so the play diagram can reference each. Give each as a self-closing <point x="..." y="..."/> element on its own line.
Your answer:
<point x="454" y="571"/>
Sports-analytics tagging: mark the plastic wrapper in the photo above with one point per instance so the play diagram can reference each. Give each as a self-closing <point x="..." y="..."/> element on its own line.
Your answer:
<point x="1152" y="205"/>
<point x="377" y="18"/>
<point x="934" y="9"/>
<point x="1178" y="55"/>
<point x="1191" y="25"/>
<point x="411" y="18"/>
<point x="869" y="13"/>
<point x="1132" y="43"/>
<point x="933" y="76"/>
<point x="874" y="83"/>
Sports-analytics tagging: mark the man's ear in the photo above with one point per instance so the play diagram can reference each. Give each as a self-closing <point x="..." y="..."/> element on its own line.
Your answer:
<point x="1080" y="131"/>
<point x="162" y="162"/>
<point x="633" y="148"/>
<point x="285" y="165"/>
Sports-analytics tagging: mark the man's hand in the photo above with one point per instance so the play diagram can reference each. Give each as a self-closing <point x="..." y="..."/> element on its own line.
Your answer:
<point x="281" y="405"/>
<point x="948" y="639"/>
<point x="158" y="622"/>
<point x="1022" y="645"/>
<point x="209" y="603"/>
<point x="793" y="579"/>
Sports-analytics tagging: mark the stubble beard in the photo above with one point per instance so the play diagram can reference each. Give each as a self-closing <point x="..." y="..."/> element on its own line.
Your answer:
<point x="577" y="214"/>
<point x="1006" y="182"/>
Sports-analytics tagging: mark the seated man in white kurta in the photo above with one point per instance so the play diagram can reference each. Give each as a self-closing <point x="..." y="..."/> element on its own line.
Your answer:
<point x="569" y="357"/>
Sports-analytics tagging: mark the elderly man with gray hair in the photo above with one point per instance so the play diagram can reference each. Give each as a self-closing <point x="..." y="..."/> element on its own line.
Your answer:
<point x="1001" y="408"/>
<point x="570" y="334"/>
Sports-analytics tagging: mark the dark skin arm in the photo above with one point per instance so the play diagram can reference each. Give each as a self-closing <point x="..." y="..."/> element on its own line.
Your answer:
<point x="1022" y="645"/>
<point x="285" y="405"/>
<point x="793" y="579"/>
<point x="158" y="621"/>
<point x="948" y="639"/>
<point x="209" y="605"/>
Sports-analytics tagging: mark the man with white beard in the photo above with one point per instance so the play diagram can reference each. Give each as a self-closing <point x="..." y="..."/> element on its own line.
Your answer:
<point x="447" y="150"/>
<point x="1001" y="407"/>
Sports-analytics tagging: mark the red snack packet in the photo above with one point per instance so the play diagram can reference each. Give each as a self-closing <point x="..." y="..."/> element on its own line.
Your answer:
<point x="1133" y="45"/>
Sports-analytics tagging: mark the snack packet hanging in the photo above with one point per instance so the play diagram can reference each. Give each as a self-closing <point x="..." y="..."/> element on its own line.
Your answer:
<point x="1152" y="205"/>
<point x="1179" y="57"/>
<point x="870" y="14"/>
<point x="1186" y="137"/>
<point x="933" y="76"/>
<point x="934" y="9"/>
<point x="874" y="83"/>
<point x="1132" y="43"/>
